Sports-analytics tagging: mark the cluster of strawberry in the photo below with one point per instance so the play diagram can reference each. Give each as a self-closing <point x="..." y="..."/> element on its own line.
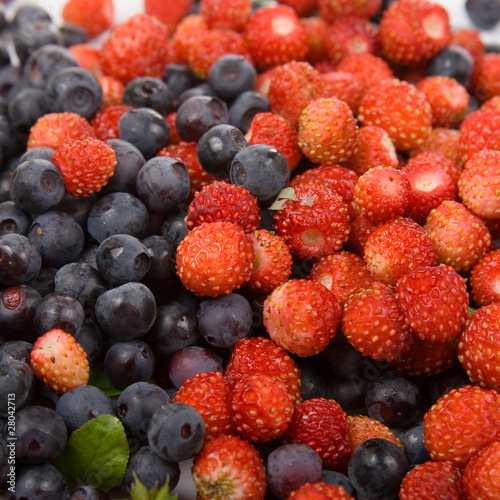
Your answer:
<point x="393" y="198"/>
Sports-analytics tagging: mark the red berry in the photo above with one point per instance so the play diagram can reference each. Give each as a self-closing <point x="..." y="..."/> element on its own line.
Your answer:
<point x="303" y="8"/>
<point x="470" y="39"/>
<point x="227" y="14"/>
<point x="331" y="9"/>
<point x="481" y="477"/>
<point x="105" y="122"/>
<point x="88" y="57"/>
<point x="484" y="278"/>
<point x="485" y="77"/>
<point x="316" y="30"/>
<point x="93" y="16"/>
<point x="320" y="491"/>
<point x="444" y="141"/>
<point x="112" y="91"/>
<point x="169" y="13"/>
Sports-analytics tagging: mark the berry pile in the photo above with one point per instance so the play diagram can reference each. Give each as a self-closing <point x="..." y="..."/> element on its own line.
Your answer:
<point x="260" y="239"/>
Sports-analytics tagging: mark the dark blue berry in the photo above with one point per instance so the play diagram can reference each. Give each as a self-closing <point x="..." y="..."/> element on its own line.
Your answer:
<point x="17" y="310"/>
<point x="118" y="213"/>
<point x="414" y="444"/>
<point x="224" y="320"/>
<point x="43" y="283"/>
<point x="217" y="147"/>
<point x="262" y="170"/>
<point x="36" y="153"/>
<point x="127" y="311"/>
<point x="176" y="432"/>
<point x="90" y="338"/>
<point x="338" y="479"/>
<point x="29" y="14"/>
<point x="13" y="219"/>
<point x="88" y="493"/>
<point x="129" y="362"/>
<point x="202" y="89"/>
<point x="163" y="184"/>
<point x="136" y="405"/>
<point x="453" y="61"/>
<point x="16" y="349"/>
<point x="162" y="253"/>
<point x="174" y="227"/>
<point x="75" y="90"/>
<point x="16" y="377"/>
<point x="350" y="393"/>
<point x="145" y="129"/>
<point x="9" y="76"/>
<point x="149" y="92"/>
<point x="39" y="482"/>
<point x="58" y="237"/>
<point x="484" y="14"/>
<point x="198" y="114"/>
<point x="25" y="108"/>
<point x="72" y="34"/>
<point x="245" y="107"/>
<point x="37" y="186"/>
<point x="179" y="78"/>
<point x="81" y="404"/>
<point x="312" y="380"/>
<point x="122" y="258"/>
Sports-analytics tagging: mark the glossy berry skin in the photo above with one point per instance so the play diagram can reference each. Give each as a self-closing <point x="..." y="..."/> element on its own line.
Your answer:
<point x="377" y="467"/>
<point x="480" y="477"/>
<point x="413" y="443"/>
<point x="245" y="106"/>
<point x="13" y="219"/>
<point x="40" y="480"/>
<point x="17" y="378"/>
<point x="25" y="107"/>
<point x="179" y="77"/>
<point x="149" y="92"/>
<point x="17" y="309"/>
<point x="176" y="432"/>
<point x="454" y="62"/>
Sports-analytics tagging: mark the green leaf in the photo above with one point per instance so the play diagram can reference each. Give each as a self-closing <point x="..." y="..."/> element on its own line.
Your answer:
<point x="139" y="492"/>
<point x="99" y="379"/>
<point x="96" y="454"/>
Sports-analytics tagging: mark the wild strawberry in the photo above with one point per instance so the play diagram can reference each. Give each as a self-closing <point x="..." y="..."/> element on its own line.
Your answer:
<point x="479" y="130"/>
<point x="231" y="467"/>
<point x="258" y="355"/>
<point x="222" y="201"/>
<point x="344" y="85"/>
<point x="320" y="491"/>
<point x="448" y="98"/>
<point x="382" y="193"/>
<point x="414" y="31"/>
<point x="435" y="302"/>
<point x="485" y="77"/>
<point x="321" y="424"/>
<point x="397" y="247"/>
<point x="302" y="316"/>
<point x="444" y="141"/>
<point x="400" y="109"/>
<point x="430" y="184"/>
<point x="93" y="16"/>
<point x="468" y="417"/>
<point x="277" y="131"/>
<point x="481" y="477"/>
<point x="86" y="165"/>
<point x="112" y="91"/>
<point x="303" y="8"/>
<point x="174" y="134"/>
<point x="262" y="407"/>
<point x="460" y="238"/>
<point x="327" y="131"/>
<point x="292" y="87"/>
<point x="137" y="47"/>
<point x="59" y="361"/>
<point x="375" y="148"/>
<point x="188" y="33"/>
<point x="374" y="324"/>
<point x="214" y="258"/>
<point x="492" y="104"/>
<point x="312" y="219"/>
<point x="105" y="122"/>
<point x="316" y="30"/>
<point x="169" y="13"/>
<point x="229" y="14"/>
<point x="344" y="273"/>
<point x="351" y="35"/>
<point x="185" y="152"/>
<point x="272" y="265"/>
<point x="484" y="279"/>
<point x="426" y="358"/>
<point x="54" y="129"/>
<point x="329" y="10"/>
<point x="361" y="228"/>
<point x="275" y="36"/>
<point x="469" y="39"/>
<point x="478" y="346"/>
<point x="432" y="480"/>
<point x="88" y="57"/>
<point x="477" y="186"/>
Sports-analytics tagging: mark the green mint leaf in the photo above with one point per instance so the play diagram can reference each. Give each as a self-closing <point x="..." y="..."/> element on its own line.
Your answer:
<point x="96" y="454"/>
<point x="99" y="379"/>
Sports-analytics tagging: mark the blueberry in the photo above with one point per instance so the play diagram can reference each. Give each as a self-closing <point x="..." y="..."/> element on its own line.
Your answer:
<point x="37" y="186"/>
<point x="13" y="219"/>
<point x="90" y="338"/>
<point x="4" y="462"/>
<point x="29" y="14"/>
<point x="176" y="432"/>
<point x="484" y="14"/>
<point x="9" y="76"/>
<point x="88" y="493"/>
<point x="16" y="349"/>
<point x="245" y="107"/>
<point x="118" y="213"/>
<point x="262" y="170"/>
<point x="230" y="75"/>
<point x="122" y="258"/>
<point x="163" y="184"/>
<point x="58" y="237"/>
<point x="16" y="378"/>
<point x="25" y="108"/>
<point x="224" y="320"/>
<point x="59" y="310"/>
<point x="174" y="227"/>
<point x="290" y="466"/>
<point x="312" y="381"/>
<point x="338" y="479"/>
<point x="72" y="34"/>
<point x="453" y="61"/>
<point x="173" y="329"/>
<point x="414" y="444"/>
<point x="127" y="311"/>
<point x="18" y="305"/>
<point x="41" y="435"/>
<point x="349" y="393"/>
<point x="198" y="114"/>
<point x="145" y="129"/>
<point x="202" y="89"/>
<point x="149" y="92"/>
<point x="39" y="482"/>
<point x="43" y="283"/>
<point x="36" y="153"/>
<point x="129" y="160"/>
<point x="162" y="253"/>
<point x="179" y="77"/>
<point x="81" y="404"/>
<point x="151" y="469"/>
<point x="136" y="405"/>
<point x="75" y="90"/>
<point x="129" y="362"/>
<point x="217" y="147"/>
<point x="376" y="469"/>
<point x="20" y="260"/>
